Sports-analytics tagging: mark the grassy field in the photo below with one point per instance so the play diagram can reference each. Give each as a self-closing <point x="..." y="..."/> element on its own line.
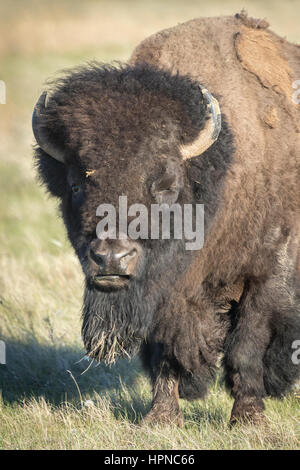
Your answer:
<point x="51" y="396"/>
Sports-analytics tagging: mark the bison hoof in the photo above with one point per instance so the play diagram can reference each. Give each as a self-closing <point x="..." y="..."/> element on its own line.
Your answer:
<point x="247" y="411"/>
<point x="161" y="416"/>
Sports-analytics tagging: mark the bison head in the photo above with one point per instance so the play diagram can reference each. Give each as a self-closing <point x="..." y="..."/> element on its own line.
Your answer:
<point x="105" y="132"/>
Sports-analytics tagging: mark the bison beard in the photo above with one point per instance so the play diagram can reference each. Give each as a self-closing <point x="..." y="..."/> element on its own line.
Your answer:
<point x="115" y="323"/>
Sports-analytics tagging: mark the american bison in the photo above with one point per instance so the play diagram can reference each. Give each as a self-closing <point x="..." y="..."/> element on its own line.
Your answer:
<point x="201" y="114"/>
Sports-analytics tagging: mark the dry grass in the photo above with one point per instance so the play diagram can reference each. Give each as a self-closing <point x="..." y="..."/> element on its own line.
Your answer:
<point x="40" y="279"/>
<point x="99" y="423"/>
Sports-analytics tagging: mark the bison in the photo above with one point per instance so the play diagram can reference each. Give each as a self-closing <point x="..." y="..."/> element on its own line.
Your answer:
<point x="201" y="114"/>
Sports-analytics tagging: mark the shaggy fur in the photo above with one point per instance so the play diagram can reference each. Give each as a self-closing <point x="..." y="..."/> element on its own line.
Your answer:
<point x="238" y="296"/>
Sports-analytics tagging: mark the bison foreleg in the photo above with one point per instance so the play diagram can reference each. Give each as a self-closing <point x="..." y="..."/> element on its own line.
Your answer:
<point x="165" y="403"/>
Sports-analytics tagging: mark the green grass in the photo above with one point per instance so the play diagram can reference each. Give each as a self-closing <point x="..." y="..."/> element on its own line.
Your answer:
<point x="52" y="397"/>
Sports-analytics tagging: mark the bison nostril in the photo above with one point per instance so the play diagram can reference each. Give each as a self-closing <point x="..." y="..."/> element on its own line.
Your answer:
<point x="97" y="258"/>
<point x="126" y="257"/>
<point x="130" y="254"/>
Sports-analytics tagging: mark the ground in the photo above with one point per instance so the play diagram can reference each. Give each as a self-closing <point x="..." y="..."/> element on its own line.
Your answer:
<point x="53" y="397"/>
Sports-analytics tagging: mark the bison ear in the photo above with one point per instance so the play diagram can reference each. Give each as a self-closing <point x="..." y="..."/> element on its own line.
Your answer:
<point x="167" y="188"/>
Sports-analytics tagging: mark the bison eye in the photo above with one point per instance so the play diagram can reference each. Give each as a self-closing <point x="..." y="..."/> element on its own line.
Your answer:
<point x="76" y="195"/>
<point x="75" y="188"/>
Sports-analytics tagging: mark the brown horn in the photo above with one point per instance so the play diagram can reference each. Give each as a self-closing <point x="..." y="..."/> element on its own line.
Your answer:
<point x="39" y="127"/>
<point x="211" y="130"/>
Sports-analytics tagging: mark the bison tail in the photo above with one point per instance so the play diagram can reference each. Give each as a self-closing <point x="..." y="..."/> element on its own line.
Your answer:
<point x="282" y="360"/>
